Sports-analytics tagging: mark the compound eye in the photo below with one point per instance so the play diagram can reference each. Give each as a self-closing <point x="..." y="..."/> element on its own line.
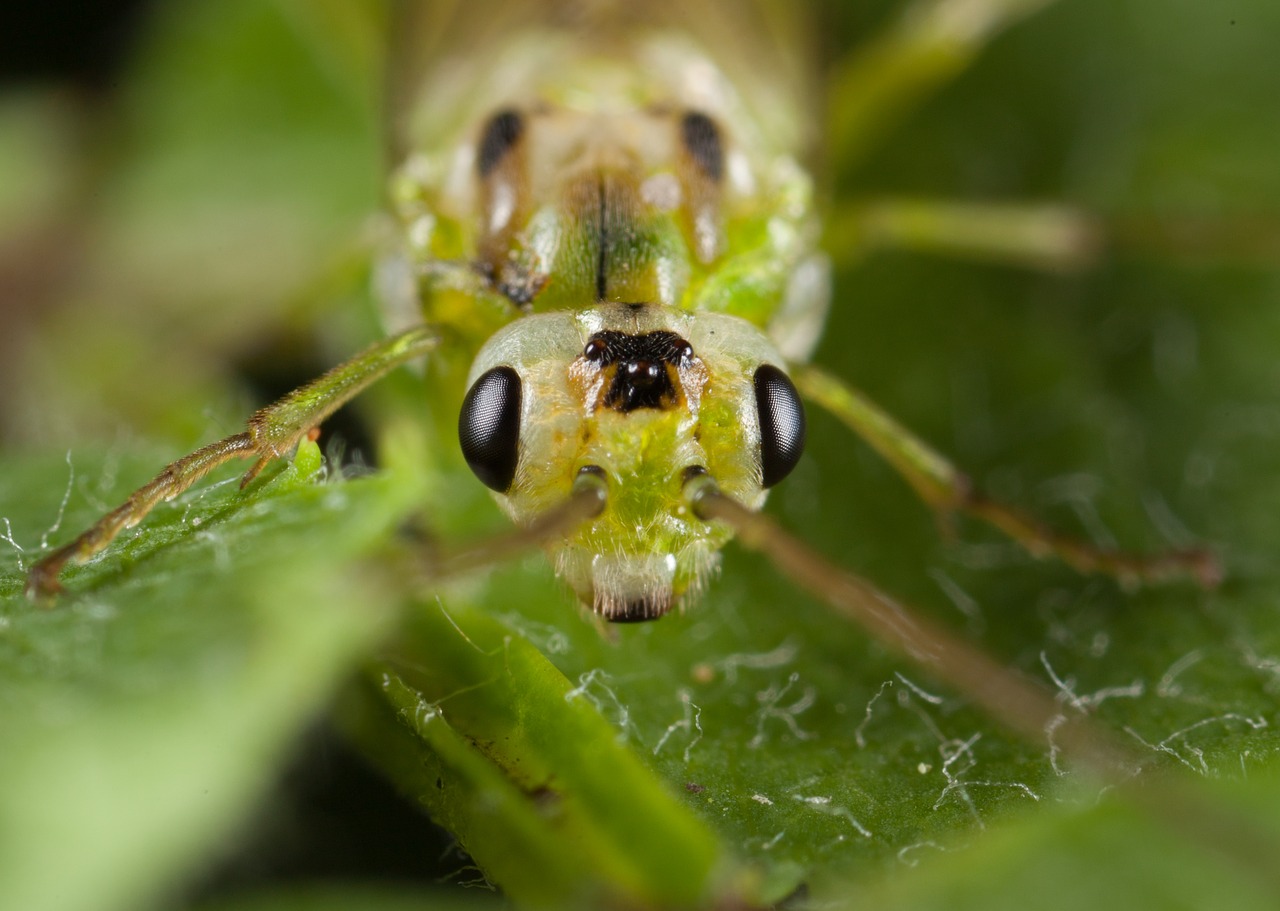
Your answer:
<point x="782" y="424"/>
<point x="489" y="427"/>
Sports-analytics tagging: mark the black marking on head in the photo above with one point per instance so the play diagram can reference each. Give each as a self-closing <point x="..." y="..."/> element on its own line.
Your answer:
<point x="642" y="367"/>
<point x="782" y="424"/>
<point x="701" y="139"/>
<point x="501" y="135"/>
<point x="489" y="427"/>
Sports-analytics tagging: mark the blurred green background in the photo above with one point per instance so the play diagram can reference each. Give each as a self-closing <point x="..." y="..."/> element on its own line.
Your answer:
<point x="187" y="239"/>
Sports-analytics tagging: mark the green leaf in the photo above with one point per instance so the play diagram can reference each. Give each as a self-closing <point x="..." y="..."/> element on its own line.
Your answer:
<point x="145" y="712"/>
<point x="534" y="782"/>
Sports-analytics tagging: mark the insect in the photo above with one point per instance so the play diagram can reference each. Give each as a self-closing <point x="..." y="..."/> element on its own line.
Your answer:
<point x="636" y="278"/>
<point x="622" y="278"/>
<point x="632" y="275"/>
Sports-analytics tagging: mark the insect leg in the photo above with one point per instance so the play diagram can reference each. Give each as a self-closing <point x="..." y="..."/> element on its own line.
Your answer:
<point x="945" y="488"/>
<point x="272" y="432"/>
<point x="924" y="49"/>
<point x="1053" y="238"/>
<point x="586" y="500"/>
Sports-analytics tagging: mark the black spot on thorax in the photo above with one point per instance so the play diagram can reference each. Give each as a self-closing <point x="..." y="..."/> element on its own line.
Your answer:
<point x="701" y="138"/>
<point x="501" y="135"/>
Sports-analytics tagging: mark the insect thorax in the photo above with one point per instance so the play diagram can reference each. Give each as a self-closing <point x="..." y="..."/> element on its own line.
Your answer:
<point x="633" y="172"/>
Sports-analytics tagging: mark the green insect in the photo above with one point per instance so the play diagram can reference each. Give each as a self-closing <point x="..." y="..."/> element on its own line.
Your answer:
<point x="616" y="269"/>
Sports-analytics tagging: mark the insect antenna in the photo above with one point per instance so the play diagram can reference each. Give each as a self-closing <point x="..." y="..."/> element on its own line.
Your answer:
<point x="1006" y="695"/>
<point x="586" y="500"/>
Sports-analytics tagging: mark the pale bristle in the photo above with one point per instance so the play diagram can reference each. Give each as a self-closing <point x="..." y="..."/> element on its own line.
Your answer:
<point x="648" y="606"/>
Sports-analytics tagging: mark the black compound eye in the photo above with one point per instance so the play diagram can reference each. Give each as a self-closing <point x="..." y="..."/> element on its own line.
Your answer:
<point x="489" y="427"/>
<point x="781" y="424"/>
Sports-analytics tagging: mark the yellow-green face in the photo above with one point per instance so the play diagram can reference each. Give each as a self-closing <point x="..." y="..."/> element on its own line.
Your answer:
<point x="645" y="397"/>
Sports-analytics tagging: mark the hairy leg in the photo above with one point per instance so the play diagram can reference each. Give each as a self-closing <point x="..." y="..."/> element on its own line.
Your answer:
<point x="876" y="85"/>
<point x="271" y="433"/>
<point x="946" y="489"/>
